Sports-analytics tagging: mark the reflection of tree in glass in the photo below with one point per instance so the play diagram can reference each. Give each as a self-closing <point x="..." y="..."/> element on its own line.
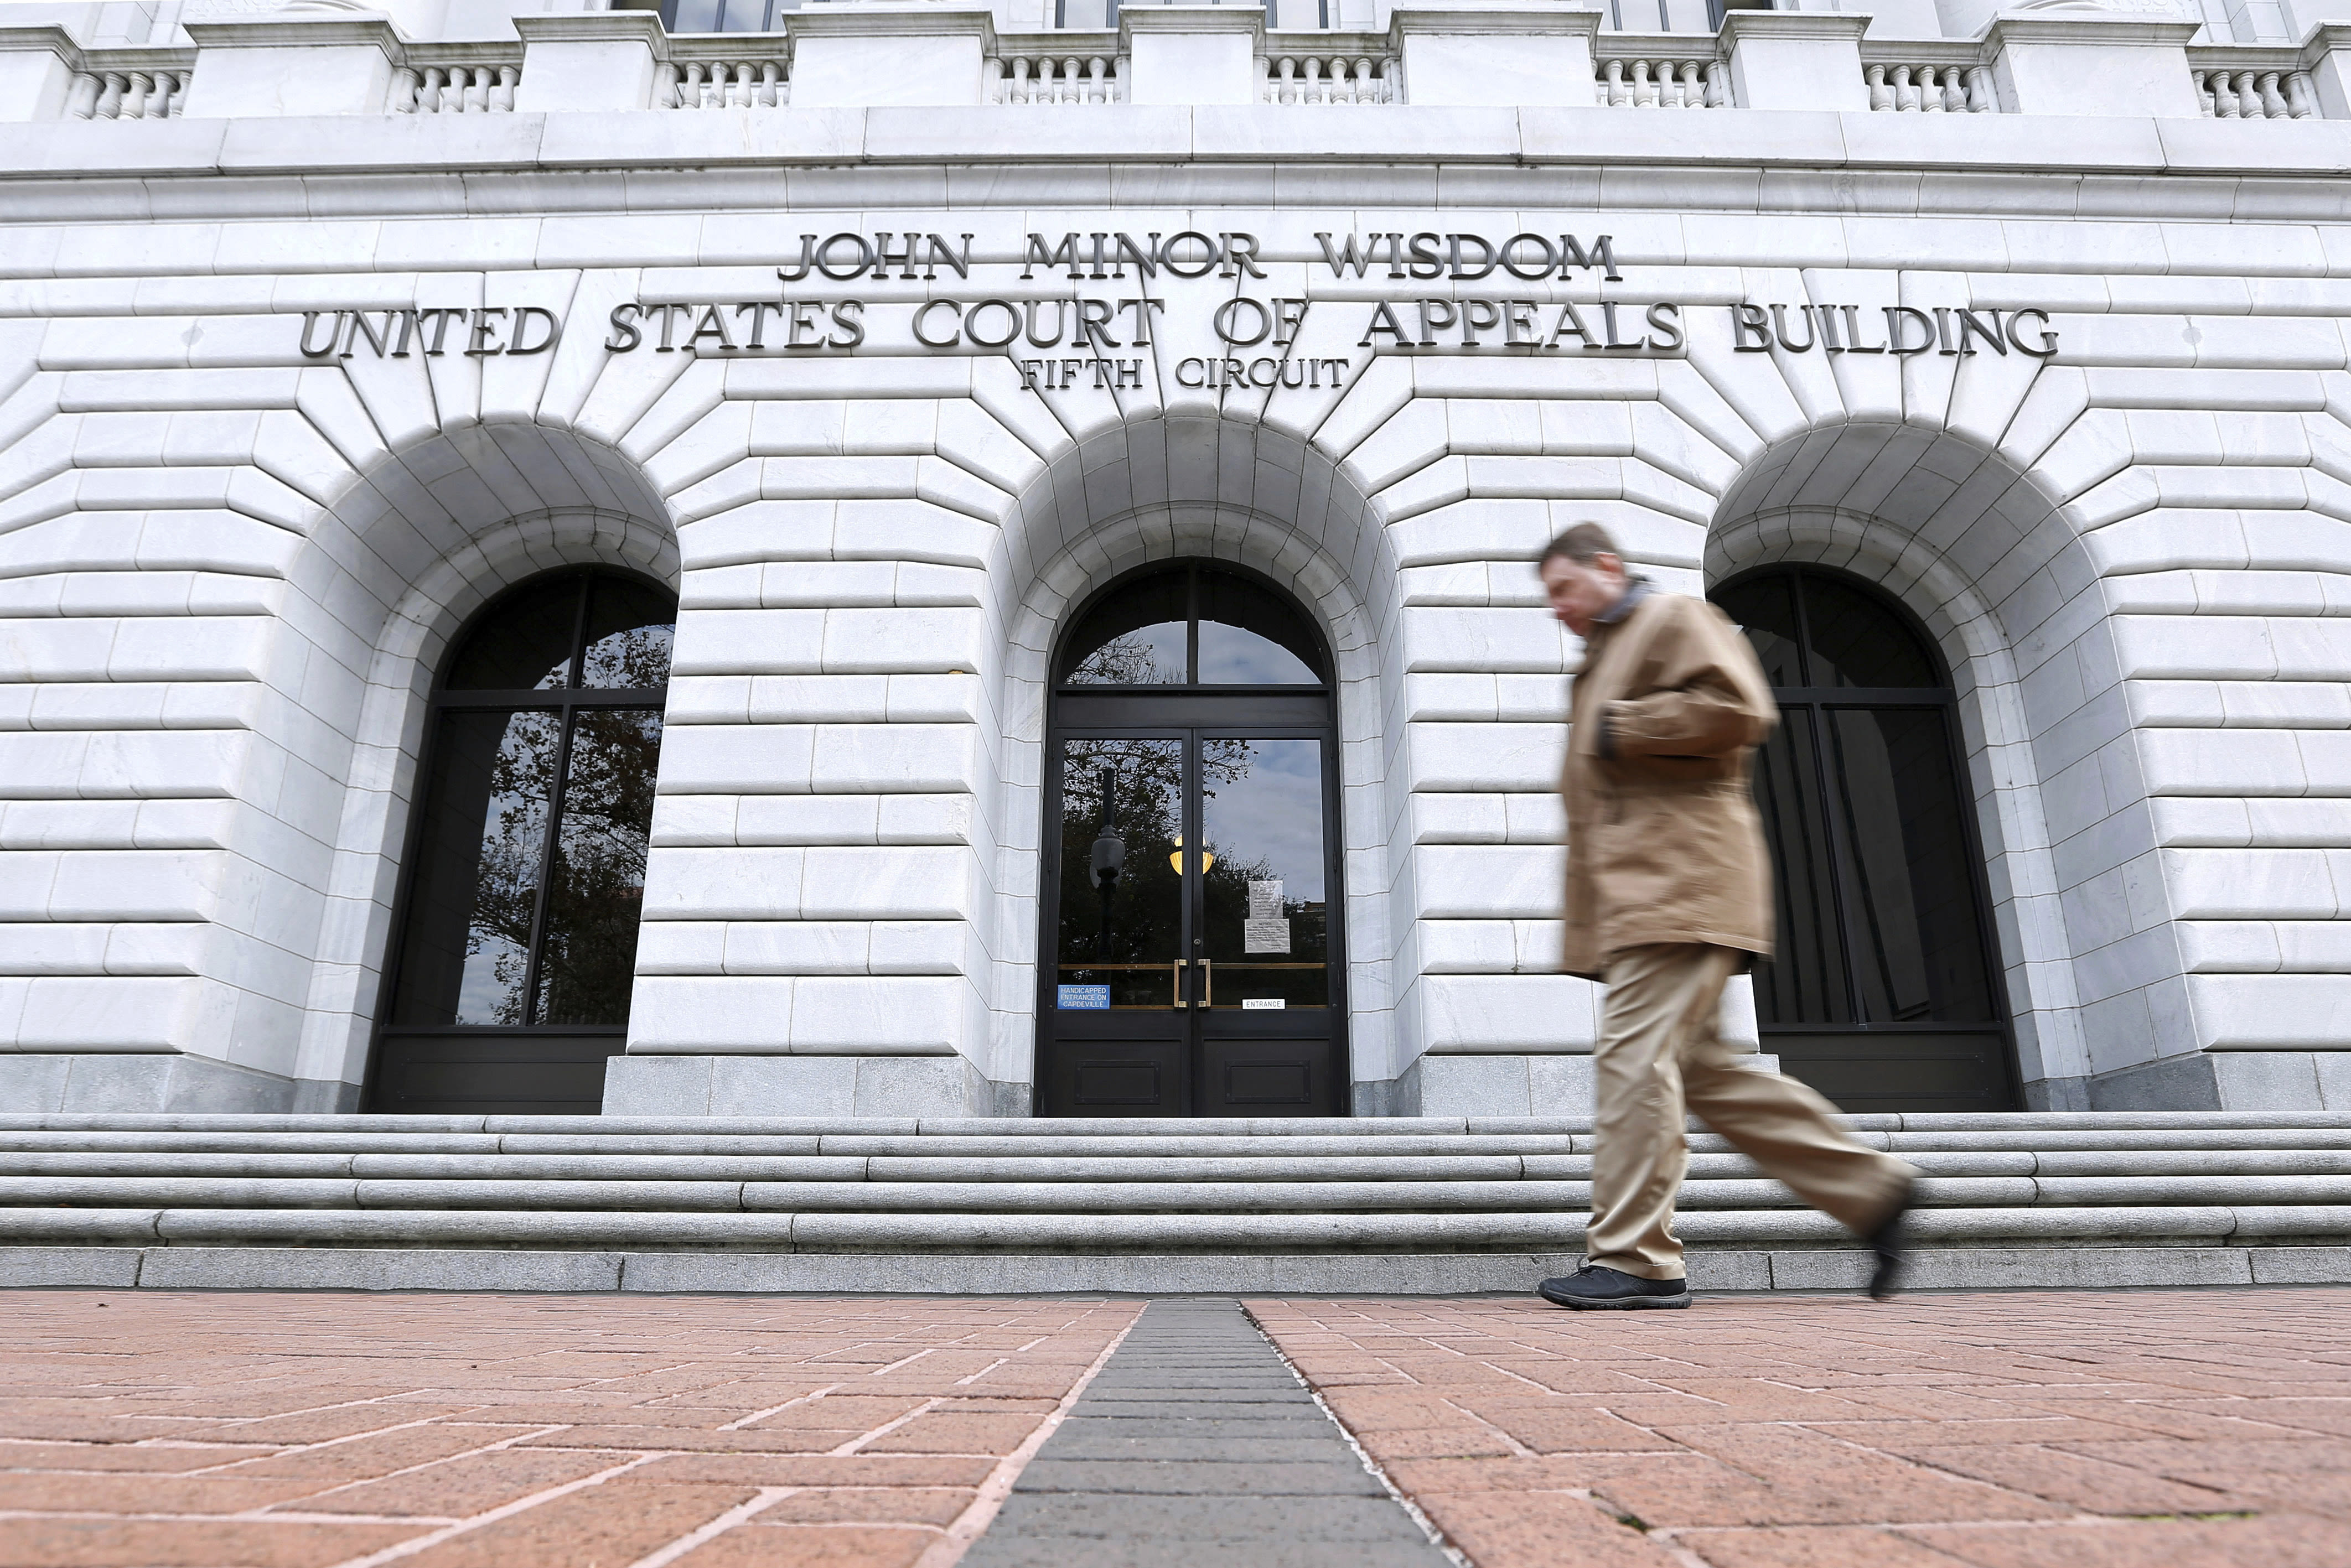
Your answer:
<point x="1124" y="661"/>
<point x="514" y="838"/>
<point x="637" y="659"/>
<point x="597" y="885"/>
<point x="1145" y="904"/>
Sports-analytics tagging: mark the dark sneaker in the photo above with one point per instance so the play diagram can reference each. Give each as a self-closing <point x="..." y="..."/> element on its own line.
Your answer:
<point x="1891" y="1247"/>
<point x="1595" y="1287"/>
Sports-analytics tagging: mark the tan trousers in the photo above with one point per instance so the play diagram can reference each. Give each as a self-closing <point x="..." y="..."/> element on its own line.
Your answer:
<point x="1660" y="1048"/>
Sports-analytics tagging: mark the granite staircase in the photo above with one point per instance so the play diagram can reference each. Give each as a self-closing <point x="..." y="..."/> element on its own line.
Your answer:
<point x="1393" y="1205"/>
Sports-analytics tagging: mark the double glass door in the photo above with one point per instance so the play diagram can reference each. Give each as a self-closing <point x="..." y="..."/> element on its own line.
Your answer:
<point x="1194" y="968"/>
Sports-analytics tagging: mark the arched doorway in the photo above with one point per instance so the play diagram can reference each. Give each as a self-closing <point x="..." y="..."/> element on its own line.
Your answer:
<point x="515" y="940"/>
<point x="1191" y="942"/>
<point x="1884" y="994"/>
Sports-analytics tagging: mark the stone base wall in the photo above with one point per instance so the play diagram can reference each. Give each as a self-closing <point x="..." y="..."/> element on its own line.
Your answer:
<point x="1550" y="1085"/>
<point x="2290" y="1081"/>
<point x="806" y="1086"/>
<point x="105" y="1085"/>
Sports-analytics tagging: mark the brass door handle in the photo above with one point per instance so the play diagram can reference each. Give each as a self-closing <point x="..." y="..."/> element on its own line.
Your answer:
<point x="1207" y="982"/>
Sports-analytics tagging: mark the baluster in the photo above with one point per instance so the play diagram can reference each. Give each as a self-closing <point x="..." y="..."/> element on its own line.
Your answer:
<point x="1016" y="80"/>
<point x="1984" y="98"/>
<point x="477" y="90"/>
<point x="404" y="83"/>
<point x="161" y="102"/>
<point x="109" y="101"/>
<point x="2273" y="101"/>
<point x="1645" y="85"/>
<point x="771" y="79"/>
<point x="746" y="89"/>
<point x="1717" y="85"/>
<point x="1097" y="80"/>
<point x="1881" y="97"/>
<point x="135" y="89"/>
<point x="1071" y="92"/>
<point x="1689" y="92"/>
<point x="1905" y="96"/>
<point x="1613" y="92"/>
<point x="2249" y="98"/>
<point x="2301" y="103"/>
<point x="509" y="79"/>
<point x="1932" y="84"/>
<point x="1318" y="87"/>
<point x="1363" y="86"/>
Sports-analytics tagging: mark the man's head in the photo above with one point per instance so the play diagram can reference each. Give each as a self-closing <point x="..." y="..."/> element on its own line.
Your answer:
<point x="1583" y="574"/>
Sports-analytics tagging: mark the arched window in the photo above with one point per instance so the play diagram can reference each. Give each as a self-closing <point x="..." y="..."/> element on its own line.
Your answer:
<point x="1193" y="962"/>
<point x="517" y="938"/>
<point x="1883" y="993"/>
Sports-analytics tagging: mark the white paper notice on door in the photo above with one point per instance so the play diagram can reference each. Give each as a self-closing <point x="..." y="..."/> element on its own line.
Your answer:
<point x="1265" y="903"/>
<point x="1265" y="936"/>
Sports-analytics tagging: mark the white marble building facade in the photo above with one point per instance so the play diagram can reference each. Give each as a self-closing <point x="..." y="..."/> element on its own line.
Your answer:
<point x="231" y="564"/>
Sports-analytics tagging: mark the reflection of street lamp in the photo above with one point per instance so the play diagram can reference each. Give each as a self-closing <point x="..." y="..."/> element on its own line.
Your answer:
<point x="1110" y="857"/>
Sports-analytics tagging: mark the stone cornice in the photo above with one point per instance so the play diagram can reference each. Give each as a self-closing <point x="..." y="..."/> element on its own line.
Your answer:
<point x="300" y="31"/>
<point x="596" y="27"/>
<point x="925" y="19"/>
<point x="1489" y="19"/>
<point x="2113" y="32"/>
<point x="1812" y="26"/>
<point x="1245" y="19"/>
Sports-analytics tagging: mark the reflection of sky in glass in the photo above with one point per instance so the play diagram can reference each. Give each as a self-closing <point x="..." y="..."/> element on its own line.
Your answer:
<point x="1147" y="655"/>
<point x="1275" y="811"/>
<point x="1234" y="656"/>
<point x="493" y="979"/>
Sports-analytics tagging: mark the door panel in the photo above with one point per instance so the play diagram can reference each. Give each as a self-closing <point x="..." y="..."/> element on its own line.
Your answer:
<point x="1117" y="998"/>
<point x="1193" y="970"/>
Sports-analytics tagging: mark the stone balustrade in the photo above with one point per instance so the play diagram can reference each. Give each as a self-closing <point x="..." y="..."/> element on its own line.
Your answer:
<point x="120" y="90"/>
<point x="454" y="79"/>
<point x="1072" y="67"/>
<point x="1501" y="53"/>
<point x="1330" y="67"/>
<point x="1659" y="71"/>
<point x="746" y="72"/>
<point x="2237" y="83"/>
<point x="1925" y="78"/>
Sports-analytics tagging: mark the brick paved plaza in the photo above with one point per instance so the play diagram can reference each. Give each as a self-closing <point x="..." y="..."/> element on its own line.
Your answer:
<point x="304" y="1431"/>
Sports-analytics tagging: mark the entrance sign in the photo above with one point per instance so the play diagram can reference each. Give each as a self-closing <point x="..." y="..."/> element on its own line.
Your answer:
<point x="1393" y="293"/>
<point x="1085" y="998"/>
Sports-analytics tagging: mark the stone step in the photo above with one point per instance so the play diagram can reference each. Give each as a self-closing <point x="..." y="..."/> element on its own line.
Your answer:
<point x="1268" y="1167"/>
<point x="2019" y="1140"/>
<point x="1133" y="1196"/>
<point x="2033" y="1122"/>
<point x="2195" y="1196"/>
<point x="937" y="1233"/>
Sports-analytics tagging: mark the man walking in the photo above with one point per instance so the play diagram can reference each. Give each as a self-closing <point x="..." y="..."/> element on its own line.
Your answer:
<point x="1669" y="895"/>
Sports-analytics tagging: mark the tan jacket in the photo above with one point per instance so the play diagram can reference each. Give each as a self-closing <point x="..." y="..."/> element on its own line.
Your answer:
<point x="1663" y="840"/>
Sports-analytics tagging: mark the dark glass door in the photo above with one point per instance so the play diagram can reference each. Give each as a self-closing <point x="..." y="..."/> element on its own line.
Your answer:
<point x="1190" y="961"/>
<point x="1883" y="994"/>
